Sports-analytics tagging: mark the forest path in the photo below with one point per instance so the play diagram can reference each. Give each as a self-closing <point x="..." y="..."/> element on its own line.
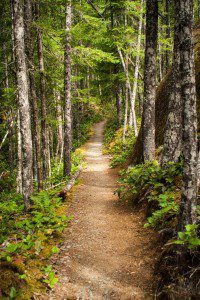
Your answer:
<point x="106" y="254"/>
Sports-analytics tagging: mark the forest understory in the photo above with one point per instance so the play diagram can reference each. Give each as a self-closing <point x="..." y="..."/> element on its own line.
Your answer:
<point x="100" y="149"/>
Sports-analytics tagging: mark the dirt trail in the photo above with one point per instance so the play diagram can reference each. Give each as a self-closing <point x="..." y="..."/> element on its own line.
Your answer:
<point x="107" y="254"/>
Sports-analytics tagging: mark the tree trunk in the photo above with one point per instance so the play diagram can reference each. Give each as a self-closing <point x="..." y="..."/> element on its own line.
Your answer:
<point x="173" y="132"/>
<point x="33" y="96"/>
<point x="119" y="104"/>
<point x="160" y="68"/>
<point x="126" y="112"/>
<point x="150" y="80"/>
<point x="60" y="124"/>
<point x="168" y="35"/>
<point x="198" y="171"/>
<point x="128" y="85"/>
<point x="23" y="102"/>
<point x="67" y="94"/>
<point x="188" y="205"/>
<point x="6" y="65"/>
<point x="10" y="129"/>
<point x="137" y="66"/>
<point x="19" y="157"/>
<point x="45" y="135"/>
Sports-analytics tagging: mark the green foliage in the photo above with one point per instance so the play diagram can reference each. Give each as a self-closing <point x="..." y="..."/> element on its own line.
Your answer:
<point x="57" y="169"/>
<point x="13" y="293"/>
<point x="27" y="228"/>
<point x="50" y="278"/>
<point x="161" y="188"/>
<point x="33" y="235"/>
<point x="120" y="150"/>
<point x="190" y="237"/>
<point x="110" y="130"/>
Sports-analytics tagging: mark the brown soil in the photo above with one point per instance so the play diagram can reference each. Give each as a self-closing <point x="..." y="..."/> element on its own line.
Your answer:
<point x="107" y="254"/>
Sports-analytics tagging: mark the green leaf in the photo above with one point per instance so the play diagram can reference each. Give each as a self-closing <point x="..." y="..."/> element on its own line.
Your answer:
<point x="55" y="250"/>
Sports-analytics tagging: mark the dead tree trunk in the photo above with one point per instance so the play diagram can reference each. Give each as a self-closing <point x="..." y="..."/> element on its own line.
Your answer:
<point x="67" y="93"/>
<point x="23" y="102"/>
<point x="150" y="80"/>
<point x="188" y="205"/>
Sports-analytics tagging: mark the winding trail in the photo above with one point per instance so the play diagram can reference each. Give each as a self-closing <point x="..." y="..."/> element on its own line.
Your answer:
<point x="106" y="253"/>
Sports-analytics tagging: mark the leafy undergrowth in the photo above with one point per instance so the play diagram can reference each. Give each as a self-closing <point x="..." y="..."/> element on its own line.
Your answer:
<point x="114" y="145"/>
<point x="28" y="240"/>
<point x="160" y="191"/>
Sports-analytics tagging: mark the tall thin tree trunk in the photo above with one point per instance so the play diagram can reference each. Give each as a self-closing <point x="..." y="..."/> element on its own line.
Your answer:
<point x="198" y="170"/>
<point x="119" y="104"/>
<point x="137" y="66"/>
<point x="33" y="96"/>
<point x="45" y="135"/>
<point x="168" y="35"/>
<point x="23" y="102"/>
<point x="173" y="132"/>
<point x="160" y="62"/>
<point x="10" y="134"/>
<point x="60" y="124"/>
<point x="128" y="84"/>
<point x="19" y="157"/>
<point x="67" y="93"/>
<point x="150" y="80"/>
<point x="126" y="112"/>
<point x="6" y="65"/>
<point x="188" y="206"/>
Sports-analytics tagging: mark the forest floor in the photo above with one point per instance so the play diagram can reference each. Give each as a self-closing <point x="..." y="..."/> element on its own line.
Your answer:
<point x="106" y="252"/>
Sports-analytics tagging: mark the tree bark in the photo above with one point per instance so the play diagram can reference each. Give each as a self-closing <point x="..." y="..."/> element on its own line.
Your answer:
<point x="59" y="115"/>
<point x="150" y="80"/>
<point x="137" y="66"/>
<point x="173" y="132"/>
<point x="126" y="112"/>
<point x="10" y="129"/>
<point x="19" y="157"/>
<point x="128" y="85"/>
<point x="45" y="135"/>
<point x="23" y="102"/>
<point x="119" y="104"/>
<point x="198" y="171"/>
<point x="188" y="205"/>
<point x="168" y="35"/>
<point x="67" y="93"/>
<point x="33" y="96"/>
